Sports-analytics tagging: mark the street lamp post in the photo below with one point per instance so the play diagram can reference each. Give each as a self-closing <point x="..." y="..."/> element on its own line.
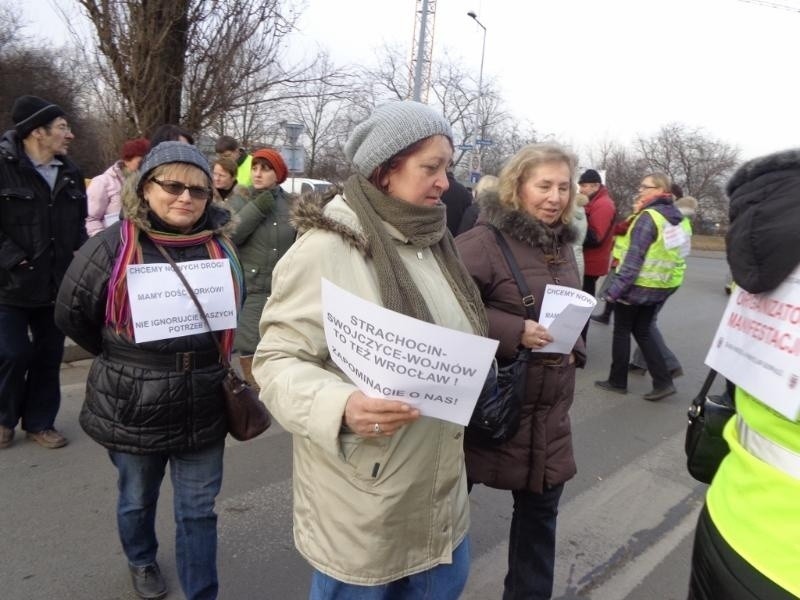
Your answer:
<point x="475" y="165"/>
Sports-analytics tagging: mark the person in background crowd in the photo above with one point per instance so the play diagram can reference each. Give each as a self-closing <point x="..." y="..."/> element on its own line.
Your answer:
<point x="532" y="207"/>
<point x="160" y="401"/>
<point x="470" y="217"/>
<point x="456" y="200"/>
<point x="171" y="133"/>
<point x="650" y="271"/>
<point x="42" y="214"/>
<point x="747" y="542"/>
<point x="228" y="147"/>
<point x="688" y="207"/>
<point x="380" y="494"/>
<point x="262" y="235"/>
<point x="104" y="191"/>
<point x="224" y="172"/>
<point x="581" y="226"/>
<point x="600" y="215"/>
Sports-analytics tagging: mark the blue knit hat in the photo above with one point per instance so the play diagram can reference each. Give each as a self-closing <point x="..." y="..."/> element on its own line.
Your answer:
<point x="171" y="152"/>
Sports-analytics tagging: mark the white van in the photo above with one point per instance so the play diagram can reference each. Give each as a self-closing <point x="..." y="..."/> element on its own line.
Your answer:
<point x="298" y="185"/>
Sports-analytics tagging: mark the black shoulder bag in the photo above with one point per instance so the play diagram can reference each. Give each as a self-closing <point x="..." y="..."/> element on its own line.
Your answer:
<point x="495" y="419"/>
<point x="705" y="447"/>
<point x="247" y="416"/>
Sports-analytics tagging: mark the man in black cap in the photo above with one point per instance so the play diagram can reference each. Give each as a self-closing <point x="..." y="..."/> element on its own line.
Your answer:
<point x="42" y="214"/>
<point x="600" y="214"/>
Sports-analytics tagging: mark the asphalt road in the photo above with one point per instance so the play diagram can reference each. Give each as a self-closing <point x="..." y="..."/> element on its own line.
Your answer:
<point x="625" y="525"/>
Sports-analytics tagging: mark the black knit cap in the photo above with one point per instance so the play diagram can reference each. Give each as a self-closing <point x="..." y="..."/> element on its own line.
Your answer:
<point x="590" y="176"/>
<point x="30" y="112"/>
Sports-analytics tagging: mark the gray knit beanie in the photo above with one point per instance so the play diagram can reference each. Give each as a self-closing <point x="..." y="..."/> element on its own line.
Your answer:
<point x="171" y="152"/>
<point x="389" y="129"/>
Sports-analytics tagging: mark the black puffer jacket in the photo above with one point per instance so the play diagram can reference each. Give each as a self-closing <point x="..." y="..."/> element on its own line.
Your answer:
<point x="762" y="240"/>
<point x="130" y="408"/>
<point x="41" y="226"/>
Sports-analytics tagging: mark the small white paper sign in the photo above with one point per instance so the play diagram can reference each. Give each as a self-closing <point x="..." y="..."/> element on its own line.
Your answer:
<point x="564" y="312"/>
<point x="393" y="356"/>
<point x="161" y="308"/>
<point x="675" y="236"/>
<point x="757" y="345"/>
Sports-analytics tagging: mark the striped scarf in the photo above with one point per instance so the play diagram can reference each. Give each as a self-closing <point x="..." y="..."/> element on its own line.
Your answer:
<point x="118" y="307"/>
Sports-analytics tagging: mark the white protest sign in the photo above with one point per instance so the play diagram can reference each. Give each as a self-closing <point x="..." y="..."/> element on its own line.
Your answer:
<point x="389" y="355"/>
<point x="564" y="312"/>
<point x="675" y="236"/>
<point x="757" y="345"/>
<point x="161" y="308"/>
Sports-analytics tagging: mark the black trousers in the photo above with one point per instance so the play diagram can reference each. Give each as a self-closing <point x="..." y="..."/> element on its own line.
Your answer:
<point x="636" y="319"/>
<point x="719" y="573"/>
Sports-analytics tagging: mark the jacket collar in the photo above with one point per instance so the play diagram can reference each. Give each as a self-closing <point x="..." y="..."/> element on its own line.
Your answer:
<point x="521" y="226"/>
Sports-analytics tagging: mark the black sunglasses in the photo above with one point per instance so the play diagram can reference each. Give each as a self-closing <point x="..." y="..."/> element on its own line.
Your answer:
<point x="176" y="188"/>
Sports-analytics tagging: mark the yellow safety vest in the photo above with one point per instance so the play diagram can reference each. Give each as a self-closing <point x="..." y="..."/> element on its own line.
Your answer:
<point x="754" y="499"/>
<point x="243" y="172"/>
<point x="662" y="267"/>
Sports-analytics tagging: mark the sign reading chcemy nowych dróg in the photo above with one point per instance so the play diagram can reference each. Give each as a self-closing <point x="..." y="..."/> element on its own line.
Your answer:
<point x="390" y="355"/>
<point x="161" y="308"/>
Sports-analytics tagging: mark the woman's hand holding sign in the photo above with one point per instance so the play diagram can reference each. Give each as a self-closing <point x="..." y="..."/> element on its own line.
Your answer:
<point x="535" y="335"/>
<point x="370" y="417"/>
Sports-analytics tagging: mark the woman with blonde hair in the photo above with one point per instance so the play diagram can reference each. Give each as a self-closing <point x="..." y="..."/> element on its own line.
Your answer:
<point x="531" y="207"/>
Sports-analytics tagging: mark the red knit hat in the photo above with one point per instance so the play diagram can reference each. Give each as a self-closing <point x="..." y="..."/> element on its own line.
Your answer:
<point x="275" y="160"/>
<point x="133" y="148"/>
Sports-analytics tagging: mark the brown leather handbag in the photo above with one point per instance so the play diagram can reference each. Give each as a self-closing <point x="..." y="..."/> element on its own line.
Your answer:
<point x="247" y="415"/>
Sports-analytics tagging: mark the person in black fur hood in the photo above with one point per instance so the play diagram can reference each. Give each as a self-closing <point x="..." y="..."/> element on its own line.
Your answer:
<point x="531" y="207"/>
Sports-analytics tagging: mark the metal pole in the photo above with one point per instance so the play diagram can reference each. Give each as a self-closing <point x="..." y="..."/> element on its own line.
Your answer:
<point x="475" y="167"/>
<point x="423" y="25"/>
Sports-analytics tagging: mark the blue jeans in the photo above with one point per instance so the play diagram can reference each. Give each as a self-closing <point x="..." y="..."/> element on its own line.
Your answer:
<point x="196" y="481"/>
<point x="30" y="367"/>
<point x="442" y="582"/>
<point x="532" y="545"/>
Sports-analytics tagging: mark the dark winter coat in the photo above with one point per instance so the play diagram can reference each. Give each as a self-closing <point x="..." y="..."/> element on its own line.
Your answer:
<point x="262" y="235"/>
<point x="37" y="224"/>
<point x="540" y="454"/>
<point x="762" y="240"/>
<point x="130" y="407"/>
<point x="456" y="200"/>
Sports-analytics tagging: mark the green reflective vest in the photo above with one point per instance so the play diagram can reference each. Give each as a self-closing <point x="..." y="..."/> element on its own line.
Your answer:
<point x="756" y="506"/>
<point x="243" y="172"/>
<point x="662" y="267"/>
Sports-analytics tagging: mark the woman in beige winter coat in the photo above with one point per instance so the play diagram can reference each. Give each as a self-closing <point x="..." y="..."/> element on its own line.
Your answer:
<point x="380" y="493"/>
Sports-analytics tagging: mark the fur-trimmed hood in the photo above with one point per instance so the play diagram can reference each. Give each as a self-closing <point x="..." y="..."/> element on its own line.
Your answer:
<point x="522" y="226"/>
<point x="764" y="220"/>
<point x="316" y="211"/>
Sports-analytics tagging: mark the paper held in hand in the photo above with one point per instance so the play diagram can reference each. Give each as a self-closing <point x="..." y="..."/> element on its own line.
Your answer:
<point x="564" y="312"/>
<point x="390" y="355"/>
<point x="757" y="345"/>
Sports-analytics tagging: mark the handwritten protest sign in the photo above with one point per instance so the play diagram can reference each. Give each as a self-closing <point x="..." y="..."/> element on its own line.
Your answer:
<point x="389" y="355"/>
<point x="757" y="345"/>
<point x="161" y="307"/>
<point x="564" y="312"/>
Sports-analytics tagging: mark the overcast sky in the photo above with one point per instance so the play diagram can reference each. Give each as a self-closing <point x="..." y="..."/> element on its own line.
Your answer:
<point x="587" y="71"/>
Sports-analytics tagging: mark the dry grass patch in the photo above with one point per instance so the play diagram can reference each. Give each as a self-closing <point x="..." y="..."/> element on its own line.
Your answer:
<point x="708" y="242"/>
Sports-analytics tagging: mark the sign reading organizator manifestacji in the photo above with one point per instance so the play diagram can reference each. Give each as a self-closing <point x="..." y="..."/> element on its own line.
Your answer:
<point x="757" y="345"/>
<point x="161" y="307"/>
<point x="389" y="355"/>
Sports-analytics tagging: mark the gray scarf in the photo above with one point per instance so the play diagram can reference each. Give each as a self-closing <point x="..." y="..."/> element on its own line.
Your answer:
<point x="425" y="227"/>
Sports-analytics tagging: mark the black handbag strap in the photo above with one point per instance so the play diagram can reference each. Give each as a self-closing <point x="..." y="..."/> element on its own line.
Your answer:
<point x="708" y="383"/>
<point x="528" y="300"/>
<point x="165" y="254"/>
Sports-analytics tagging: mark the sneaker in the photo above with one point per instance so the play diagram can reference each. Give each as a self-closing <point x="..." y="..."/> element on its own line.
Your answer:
<point x="655" y="394"/>
<point x="6" y="436"/>
<point x="48" y="438"/>
<point x="148" y="582"/>
<point x="607" y="385"/>
<point x="636" y="370"/>
<point x="601" y="318"/>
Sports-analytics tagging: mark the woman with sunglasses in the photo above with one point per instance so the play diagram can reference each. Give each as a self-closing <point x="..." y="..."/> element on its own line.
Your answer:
<point x="157" y="401"/>
<point x="650" y="270"/>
